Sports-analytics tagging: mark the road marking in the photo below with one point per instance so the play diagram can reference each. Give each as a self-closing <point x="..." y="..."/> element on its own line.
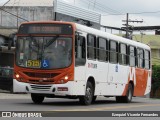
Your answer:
<point x="107" y="108"/>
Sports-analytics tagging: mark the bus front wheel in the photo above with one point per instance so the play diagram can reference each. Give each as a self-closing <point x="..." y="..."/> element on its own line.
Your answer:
<point x="88" y="97"/>
<point x="37" y="99"/>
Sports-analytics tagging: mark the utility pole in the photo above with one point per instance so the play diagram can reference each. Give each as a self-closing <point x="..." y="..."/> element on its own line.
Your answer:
<point x="127" y="24"/>
<point x="127" y="29"/>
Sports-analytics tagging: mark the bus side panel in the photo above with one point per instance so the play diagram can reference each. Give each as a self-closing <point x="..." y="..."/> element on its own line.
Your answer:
<point x="18" y="87"/>
<point x="117" y="78"/>
<point x="80" y="80"/>
<point x="148" y="89"/>
<point x="141" y="82"/>
<point x="122" y="79"/>
<point x="141" y="79"/>
<point x="99" y="71"/>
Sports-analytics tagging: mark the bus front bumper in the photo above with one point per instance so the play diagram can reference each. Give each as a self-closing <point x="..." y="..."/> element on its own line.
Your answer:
<point x="69" y="88"/>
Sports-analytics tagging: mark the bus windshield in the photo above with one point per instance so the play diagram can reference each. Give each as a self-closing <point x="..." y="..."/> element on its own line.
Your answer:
<point x="44" y="52"/>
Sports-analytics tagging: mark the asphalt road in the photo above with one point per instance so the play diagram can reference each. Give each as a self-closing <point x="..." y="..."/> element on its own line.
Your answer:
<point x="23" y="102"/>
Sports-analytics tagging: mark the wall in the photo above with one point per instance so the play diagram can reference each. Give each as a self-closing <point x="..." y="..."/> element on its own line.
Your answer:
<point x="27" y="13"/>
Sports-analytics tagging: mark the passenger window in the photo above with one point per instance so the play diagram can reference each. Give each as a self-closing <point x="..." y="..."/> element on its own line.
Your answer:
<point x="140" y="58"/>
<point x="147" y="59"/>
<point x="122" y="54"/>
<point x="80" y="50"/>
<point x="91" y="47"/>
<point x="102" y="50"/>
<point x="132" y="56"/>
<point x="113" y="53"/>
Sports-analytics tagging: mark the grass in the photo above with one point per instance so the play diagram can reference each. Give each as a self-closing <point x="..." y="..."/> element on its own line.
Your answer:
<point x="152" y="40"/>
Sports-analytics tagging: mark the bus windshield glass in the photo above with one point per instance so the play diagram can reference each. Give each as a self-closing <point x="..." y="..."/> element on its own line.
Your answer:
<point x="44" y="52"/>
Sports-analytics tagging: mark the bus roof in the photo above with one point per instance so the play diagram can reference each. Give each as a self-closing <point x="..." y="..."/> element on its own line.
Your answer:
<point x="95" y="32"/>
<point x="48" y="21"/>
<point x="110" y="36"/>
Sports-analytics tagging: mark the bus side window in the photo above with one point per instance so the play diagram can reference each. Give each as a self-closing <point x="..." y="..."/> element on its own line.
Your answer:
<point x="113" y="52"/>
<point x="102" y="50"/>
<point x="80" y="50"/>
<point x="140" y="58"/>
<point x="132" y="56"/>
<point x="147" y="59"/>
<point x="91" y="46"/>
<point x="122" y="54"/>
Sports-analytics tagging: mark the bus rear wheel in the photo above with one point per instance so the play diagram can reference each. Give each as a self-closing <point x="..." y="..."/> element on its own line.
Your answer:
<point x="88" y="97"/>
<point x="94" y="99"/>
<point x="37" y="99"/>
<point x="128" y="97"/>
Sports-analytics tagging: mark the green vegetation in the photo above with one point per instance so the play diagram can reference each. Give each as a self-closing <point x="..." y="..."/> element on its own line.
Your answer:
<point x="155" y="92"/>
<point x="154" y="42"/>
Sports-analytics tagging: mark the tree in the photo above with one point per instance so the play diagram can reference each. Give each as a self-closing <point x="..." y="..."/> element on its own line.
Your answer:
<point x="155" y="79"/>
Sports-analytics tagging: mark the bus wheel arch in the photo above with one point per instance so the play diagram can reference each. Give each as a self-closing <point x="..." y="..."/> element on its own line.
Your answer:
<point x="130" y="91"/>
<point x="131" y="82"/>
<point x="129" y="94"/>
<point x="88" y="98"/>
<point x="92" y="80"/>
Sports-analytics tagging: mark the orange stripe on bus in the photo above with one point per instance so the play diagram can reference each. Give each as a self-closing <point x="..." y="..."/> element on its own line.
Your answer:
<point x="140" y="83"/>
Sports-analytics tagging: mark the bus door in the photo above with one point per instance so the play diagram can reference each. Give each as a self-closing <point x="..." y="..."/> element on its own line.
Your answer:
<point x="80" y="59"/>
<point x="118" y="69"/>
<point x="112" y="67"/>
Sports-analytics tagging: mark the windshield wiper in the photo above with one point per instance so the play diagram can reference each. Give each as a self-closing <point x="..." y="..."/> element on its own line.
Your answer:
<point x="51" y="41"/>
<point x="35" y="44"/>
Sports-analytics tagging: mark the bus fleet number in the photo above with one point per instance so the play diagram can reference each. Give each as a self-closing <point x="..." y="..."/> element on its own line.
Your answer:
<point x="33" y="63"/>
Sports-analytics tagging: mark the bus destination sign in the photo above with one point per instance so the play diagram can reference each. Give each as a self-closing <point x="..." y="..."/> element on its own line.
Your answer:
<point x="64" y="29"/>
<point x="45" y="29"/>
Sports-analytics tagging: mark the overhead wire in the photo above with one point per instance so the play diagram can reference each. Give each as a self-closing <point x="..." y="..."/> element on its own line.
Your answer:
<point x="104" y="7"/>
<point x="1" y="8"/>
<point x="5" y="3"/>
<point x="14" y="15"/>
<point x="17" y="16"/>
<point x="101" y="7"/>
<point x="147" y="12"/>
<point x="97" y="8"/>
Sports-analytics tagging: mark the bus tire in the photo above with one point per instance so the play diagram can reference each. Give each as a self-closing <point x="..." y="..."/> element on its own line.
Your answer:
<point x="37" y="99"/>
<point x="94" y="99"/>
<point x="88" y="97"/>
<point x="128" y="97"/>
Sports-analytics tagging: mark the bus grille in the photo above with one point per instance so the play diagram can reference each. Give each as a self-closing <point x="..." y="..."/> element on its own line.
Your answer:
<point x="41" y="75"/>
<point x="41" y="87"/>
<point x="41" y="81"/>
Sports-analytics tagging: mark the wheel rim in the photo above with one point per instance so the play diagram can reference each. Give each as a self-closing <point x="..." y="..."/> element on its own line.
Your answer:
<point x="88" y="94"/>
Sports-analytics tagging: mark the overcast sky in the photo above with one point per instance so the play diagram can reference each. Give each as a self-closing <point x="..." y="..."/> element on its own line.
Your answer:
<point x="109" y="7"/>
<point x="121" y="7"/>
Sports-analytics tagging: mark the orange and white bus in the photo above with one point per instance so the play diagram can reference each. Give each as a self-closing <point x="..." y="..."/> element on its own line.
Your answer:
<point x="68" y="60"/>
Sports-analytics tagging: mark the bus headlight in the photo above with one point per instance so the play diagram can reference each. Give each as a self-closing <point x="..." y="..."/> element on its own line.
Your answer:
<point x="17" y="76"/>
<point x="66" y="77"/>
